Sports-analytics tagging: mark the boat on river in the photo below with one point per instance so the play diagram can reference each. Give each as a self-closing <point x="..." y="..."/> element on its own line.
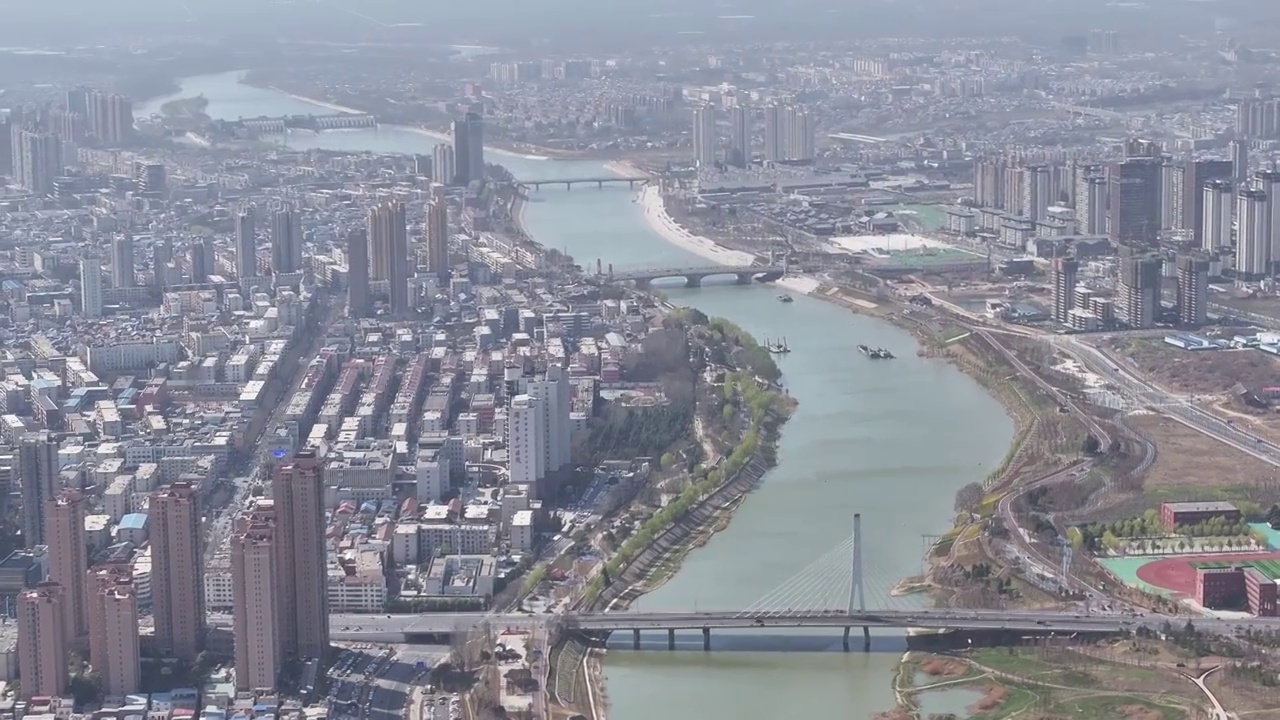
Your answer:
<point x="785" y="298"/>
<point x="876" y="353"/>
<point x="777" y="348"/>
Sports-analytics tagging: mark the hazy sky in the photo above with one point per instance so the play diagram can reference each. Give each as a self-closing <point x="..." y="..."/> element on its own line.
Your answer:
<point x="578" y="21"/>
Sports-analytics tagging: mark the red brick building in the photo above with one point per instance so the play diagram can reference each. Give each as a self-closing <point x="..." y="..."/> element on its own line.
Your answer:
<point x="1261" y="593"/>
<point x="1220" y="588"/>
<point x="1175" y="514"/>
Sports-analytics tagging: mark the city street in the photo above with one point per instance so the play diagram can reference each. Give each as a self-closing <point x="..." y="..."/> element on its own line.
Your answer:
<point x="391" y="689"/>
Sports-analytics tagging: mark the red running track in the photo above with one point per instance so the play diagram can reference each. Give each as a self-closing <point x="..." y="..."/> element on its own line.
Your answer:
<point x="1177" y="574"/>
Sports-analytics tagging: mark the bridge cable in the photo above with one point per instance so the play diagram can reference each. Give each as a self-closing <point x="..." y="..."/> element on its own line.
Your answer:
<point x="813" y="594"/>
<point x="784" y="596"/>
<point x="879" y="588"/>
<point x="790" y="589"/>
<point x="797" y="594"/>
<point x="823" y="579"/>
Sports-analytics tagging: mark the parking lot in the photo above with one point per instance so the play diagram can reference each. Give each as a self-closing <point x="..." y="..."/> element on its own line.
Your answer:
<point x="374" y="682"/>
<point x="441" y="707"/>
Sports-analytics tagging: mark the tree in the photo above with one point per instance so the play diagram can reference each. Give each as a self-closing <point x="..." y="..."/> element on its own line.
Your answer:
<point x="969" y="497"/>
<point x="86" y="688"/>
<point x="1091" y="446"/>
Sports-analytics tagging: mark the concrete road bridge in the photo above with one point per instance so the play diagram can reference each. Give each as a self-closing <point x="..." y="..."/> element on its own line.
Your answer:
<point x="693" y="276"/>
<point x="828" y="593"/>
<point x="599" y="182"/>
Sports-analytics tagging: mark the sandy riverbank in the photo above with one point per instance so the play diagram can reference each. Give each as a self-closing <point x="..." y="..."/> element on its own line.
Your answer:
<point x="656" y="215"/>
<point x="313" y="101"/>
<point x="624" y="168"/>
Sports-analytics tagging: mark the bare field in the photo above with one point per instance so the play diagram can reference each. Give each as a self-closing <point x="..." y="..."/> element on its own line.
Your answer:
<point x="1188" y="459"/>
<point x="1264" y="423"/>
<point x="1206" y="372"/>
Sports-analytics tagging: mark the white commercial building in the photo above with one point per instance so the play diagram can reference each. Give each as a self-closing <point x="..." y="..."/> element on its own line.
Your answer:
<point x="91" y="286"/>
<point x="526" y="442"/>
<point x="553" y="391"/>
<point x="522" y="531"/>
<point x="432" y="476"/>
<point x="466" y="539"/>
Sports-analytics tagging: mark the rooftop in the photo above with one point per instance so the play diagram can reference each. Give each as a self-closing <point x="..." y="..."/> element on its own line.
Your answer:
<point x="1215" y="506"/>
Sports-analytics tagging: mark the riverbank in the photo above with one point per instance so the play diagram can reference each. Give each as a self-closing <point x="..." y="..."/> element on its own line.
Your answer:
<point x="524" y="151"/>
<point x="932" y="334"/>
<point x="744" y="447"/>
<point x="661" y="222"/>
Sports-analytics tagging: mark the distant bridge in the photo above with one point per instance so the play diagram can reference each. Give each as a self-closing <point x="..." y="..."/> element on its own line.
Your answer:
<point x="857" y="137"/>
<point x="693" y="276"/>
<point x="600" y="182"/>
<point x="1085" y="110"/>
<point x="279" y="125"/>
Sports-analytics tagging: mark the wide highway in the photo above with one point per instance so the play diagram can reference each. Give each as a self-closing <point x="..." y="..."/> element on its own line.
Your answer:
<point x="1176" y="407"/>
<point x="400" y="628"/>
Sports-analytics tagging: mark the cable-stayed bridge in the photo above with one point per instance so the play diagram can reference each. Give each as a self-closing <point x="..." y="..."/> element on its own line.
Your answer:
<point x="833" y="591"/>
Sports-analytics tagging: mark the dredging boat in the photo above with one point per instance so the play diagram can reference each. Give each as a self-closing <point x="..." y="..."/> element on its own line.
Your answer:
<point x="777" y="348"/>
<point x="876" y="353"/>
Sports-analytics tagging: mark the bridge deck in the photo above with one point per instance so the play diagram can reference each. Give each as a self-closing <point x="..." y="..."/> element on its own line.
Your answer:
<point x="355" y="627"/>
<point x="605" y="179"/>
<point x="655" y="273"/>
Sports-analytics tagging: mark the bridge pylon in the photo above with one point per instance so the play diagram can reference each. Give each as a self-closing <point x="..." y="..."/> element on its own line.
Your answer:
<point x="857" y="593"/>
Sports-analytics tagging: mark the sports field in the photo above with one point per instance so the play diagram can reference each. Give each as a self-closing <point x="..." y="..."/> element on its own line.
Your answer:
<point x="1269" y="568"/>
<point x="1176" y="576"/>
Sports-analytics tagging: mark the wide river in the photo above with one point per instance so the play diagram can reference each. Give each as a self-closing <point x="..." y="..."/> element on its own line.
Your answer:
<point x="891" y="440"/>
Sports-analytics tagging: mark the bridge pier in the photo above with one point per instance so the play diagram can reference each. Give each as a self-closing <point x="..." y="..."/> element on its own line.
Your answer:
<point x="866" y="639"/>
<point x="693" y="281"/>
<point x="599" y="184"/>
<point x="706" y="639"/>
<point x="744" y="278"/>
<point x="671" y="639"/>
<point x="635" y="638"/>
<point x="568" y="186"/>
<point x="845" y="642"/>
<point x="643" y="284"/>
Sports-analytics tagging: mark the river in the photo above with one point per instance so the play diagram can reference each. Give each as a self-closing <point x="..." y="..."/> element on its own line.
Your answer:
<point x="891" y="440"/>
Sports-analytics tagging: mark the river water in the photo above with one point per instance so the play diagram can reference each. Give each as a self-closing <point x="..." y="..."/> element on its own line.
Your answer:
<point x="890" y="440"/>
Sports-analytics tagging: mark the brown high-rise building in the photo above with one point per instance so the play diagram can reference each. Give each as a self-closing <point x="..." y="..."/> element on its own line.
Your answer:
<point x="1134" y="191"/>
<point x="1065" y="271"/>
<point x="42" y="643"/>
<point x="302" y="590"/>
<point x="177" y="576"/>
<point x="38" y="475"/>
<point x="69" y="557"/>
<point x="389" y="248"/>
<point x="1195" y="174"/>
<point x="286" y="241"/>
<point x="1138" y="292"/>
<point x="1193" y="290"/>
<point x="113" y="627"/>
<point x="357" y="273"/>
<point x="255" y="577"/>
<point x="438" y="234"/>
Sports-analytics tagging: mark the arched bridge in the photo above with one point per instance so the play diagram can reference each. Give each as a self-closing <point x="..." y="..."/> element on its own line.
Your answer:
<point x="599" y="182"/>
<point x="693" y="276"/>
